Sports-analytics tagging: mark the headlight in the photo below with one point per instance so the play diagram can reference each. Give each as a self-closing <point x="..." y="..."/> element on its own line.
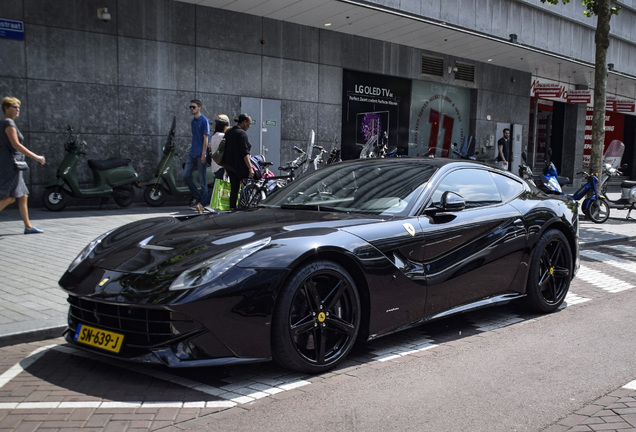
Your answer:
<point x="211" y="269"/>
<point x="85" y="253"/>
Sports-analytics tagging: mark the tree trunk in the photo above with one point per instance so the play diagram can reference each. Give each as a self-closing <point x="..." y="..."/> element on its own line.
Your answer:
<point x="601" y="38"/>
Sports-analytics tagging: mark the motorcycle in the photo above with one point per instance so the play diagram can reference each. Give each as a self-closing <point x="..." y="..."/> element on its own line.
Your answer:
<point x="550" y="182"/>
<point x="111" y="177"/>
<point x="164" y="182"/>
<point x="594" y="207"/>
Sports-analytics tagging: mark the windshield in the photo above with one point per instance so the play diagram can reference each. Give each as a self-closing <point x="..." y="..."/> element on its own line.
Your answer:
<point x="383" y="187"/>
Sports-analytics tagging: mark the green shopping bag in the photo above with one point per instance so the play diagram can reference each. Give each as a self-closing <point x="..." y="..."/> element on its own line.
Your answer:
<point x="221" y="195"/>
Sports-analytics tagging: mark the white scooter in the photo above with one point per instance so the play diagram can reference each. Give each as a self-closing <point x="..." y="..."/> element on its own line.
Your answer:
<point x="611" y="162"/>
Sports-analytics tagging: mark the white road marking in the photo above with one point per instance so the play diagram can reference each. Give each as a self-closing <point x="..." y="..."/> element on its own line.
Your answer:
<point x="572" y="299"/>
<point x="624" y="248"/>
<point x="602" y="280"/>
<point x="234" y="394"/>
<point x="617" y="262"/>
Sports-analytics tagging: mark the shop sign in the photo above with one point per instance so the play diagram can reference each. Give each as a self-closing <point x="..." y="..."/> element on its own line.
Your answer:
<point x="614" y="130"/>
<point x="623" y="105"/>
<point x="548" y="90"/>
<point x="11" y="29"/>
<point x="579" y="96"/>
<point x="610" y="103"/>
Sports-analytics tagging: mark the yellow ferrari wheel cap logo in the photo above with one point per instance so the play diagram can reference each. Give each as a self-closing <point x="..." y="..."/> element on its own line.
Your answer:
<point x="551" y="271"/>
<point x="322" y="317"/>
<point x="409" y="229"/>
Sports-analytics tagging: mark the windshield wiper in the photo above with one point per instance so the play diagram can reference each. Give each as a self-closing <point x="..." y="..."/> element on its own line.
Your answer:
<point x="317" y="207"/>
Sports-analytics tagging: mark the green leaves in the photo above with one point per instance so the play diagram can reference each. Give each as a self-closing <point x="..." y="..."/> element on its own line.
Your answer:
<point x="593" y="6"/>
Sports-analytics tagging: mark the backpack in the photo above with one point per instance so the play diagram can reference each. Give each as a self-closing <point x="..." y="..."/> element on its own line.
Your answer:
<point x="217" y="156"/>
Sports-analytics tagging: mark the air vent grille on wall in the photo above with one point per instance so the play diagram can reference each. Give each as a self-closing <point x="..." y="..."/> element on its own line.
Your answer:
<point x="432" y="65"/>
<point x="465" y="72"/>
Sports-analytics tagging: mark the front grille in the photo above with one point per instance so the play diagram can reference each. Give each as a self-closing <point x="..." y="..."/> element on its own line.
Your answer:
<point x="142" y="327"/>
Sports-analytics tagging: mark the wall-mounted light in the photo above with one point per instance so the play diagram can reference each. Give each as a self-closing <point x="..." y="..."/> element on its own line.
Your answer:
<point x="103" y="14"/>
<point x="513" y="37"/>
<point x="610" y="66"/>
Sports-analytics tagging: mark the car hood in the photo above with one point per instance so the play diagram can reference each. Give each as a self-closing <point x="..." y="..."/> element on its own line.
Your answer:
<point x="175" y="244"/>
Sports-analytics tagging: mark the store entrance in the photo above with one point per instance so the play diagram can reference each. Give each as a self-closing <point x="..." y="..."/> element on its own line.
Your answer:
<point x="547" y="120"/>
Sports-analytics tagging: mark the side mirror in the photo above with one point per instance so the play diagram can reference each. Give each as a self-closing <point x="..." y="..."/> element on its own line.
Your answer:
<point x="452" y="202"/>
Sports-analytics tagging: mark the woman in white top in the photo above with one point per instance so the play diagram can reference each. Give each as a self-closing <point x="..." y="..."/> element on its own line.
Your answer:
<point x="221" y="124"/>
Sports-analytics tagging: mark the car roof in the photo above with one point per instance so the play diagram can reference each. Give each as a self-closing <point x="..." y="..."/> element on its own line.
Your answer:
<point x="436" y="162"/>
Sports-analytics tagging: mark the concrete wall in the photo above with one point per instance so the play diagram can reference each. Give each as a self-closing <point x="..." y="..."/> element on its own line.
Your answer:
<point x="120" y="83"/>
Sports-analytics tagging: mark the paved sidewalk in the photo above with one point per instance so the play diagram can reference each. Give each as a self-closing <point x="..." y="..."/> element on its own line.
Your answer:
<point x="33" y="307"/>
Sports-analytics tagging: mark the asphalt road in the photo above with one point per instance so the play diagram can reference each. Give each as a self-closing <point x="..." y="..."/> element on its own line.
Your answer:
<point x="523" y="377"/>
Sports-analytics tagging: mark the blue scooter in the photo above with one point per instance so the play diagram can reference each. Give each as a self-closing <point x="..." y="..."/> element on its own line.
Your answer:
<point x="594" y="207"/>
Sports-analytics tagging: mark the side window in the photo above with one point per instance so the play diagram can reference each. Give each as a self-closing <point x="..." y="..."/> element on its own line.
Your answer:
<point x="476" y="186"/>
<point x="508" y="188"/>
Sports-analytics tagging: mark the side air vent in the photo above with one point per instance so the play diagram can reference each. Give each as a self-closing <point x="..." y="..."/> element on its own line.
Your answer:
<point x="432" y="65"/>
<point x="465" y="72"/>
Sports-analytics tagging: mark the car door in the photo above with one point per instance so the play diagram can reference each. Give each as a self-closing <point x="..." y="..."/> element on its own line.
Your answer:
<point x="474" y="253"/>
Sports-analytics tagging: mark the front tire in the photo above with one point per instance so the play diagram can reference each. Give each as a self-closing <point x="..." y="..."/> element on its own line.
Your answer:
<point x="154" y="195"/>
<point x="598" y="211"/>
<point x="55" y="198"/>
<point x="124" y="196"/>
<point x="316" y="319"/>
<point x="550" y="273"/>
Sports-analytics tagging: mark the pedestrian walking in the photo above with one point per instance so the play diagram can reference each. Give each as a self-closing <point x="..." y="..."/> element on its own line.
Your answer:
<point x="12" y="149"/>
<point x="196" y="157"/>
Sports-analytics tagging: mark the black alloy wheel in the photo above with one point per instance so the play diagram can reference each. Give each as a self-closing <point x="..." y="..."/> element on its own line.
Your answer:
<point x="154" y="195"/>
<point x="317" y="318"/>
<point x="550" y="272"/>
<point x="55" y="198"/>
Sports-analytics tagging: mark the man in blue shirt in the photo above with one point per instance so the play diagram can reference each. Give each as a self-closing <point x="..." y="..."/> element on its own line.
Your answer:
<point x="196" y="157"/>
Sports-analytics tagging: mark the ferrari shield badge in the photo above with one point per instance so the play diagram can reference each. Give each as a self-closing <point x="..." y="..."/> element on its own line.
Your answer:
<point x="409" y="228"/>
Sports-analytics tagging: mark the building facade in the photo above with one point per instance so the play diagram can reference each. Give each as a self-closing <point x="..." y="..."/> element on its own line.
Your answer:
<point x="120" y="81"/>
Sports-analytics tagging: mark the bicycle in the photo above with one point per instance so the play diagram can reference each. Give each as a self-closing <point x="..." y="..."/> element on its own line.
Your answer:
<point x="253" y="191"/>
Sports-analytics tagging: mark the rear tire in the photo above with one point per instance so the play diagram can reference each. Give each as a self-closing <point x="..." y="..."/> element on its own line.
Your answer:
<point x="550" y="273"/>
<point x="154" y="195"/>
<point x="55" y="198"/>
<point x="316" y="319"/>
<point x="598" y="211"/>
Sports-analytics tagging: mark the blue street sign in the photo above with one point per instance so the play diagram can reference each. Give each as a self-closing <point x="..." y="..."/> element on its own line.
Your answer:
<point x="11" y="29"/>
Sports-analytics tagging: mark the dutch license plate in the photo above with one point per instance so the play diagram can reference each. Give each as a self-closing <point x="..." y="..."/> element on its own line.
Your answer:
<point x="99" y="338"/>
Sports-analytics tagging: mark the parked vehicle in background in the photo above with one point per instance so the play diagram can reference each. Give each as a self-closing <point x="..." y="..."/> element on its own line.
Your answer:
<point x="114" y="177"/>
<point x="164" y="182"/>
<point x="611" y="163"/>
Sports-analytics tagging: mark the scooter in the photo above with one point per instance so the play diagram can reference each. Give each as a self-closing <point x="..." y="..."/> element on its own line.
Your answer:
<point x="111" y="177"/>
<point x="612" y="160"/>
<point x="550" y="182"/>
<point x="594" y="207"/>
<point x="164" y="182"/>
